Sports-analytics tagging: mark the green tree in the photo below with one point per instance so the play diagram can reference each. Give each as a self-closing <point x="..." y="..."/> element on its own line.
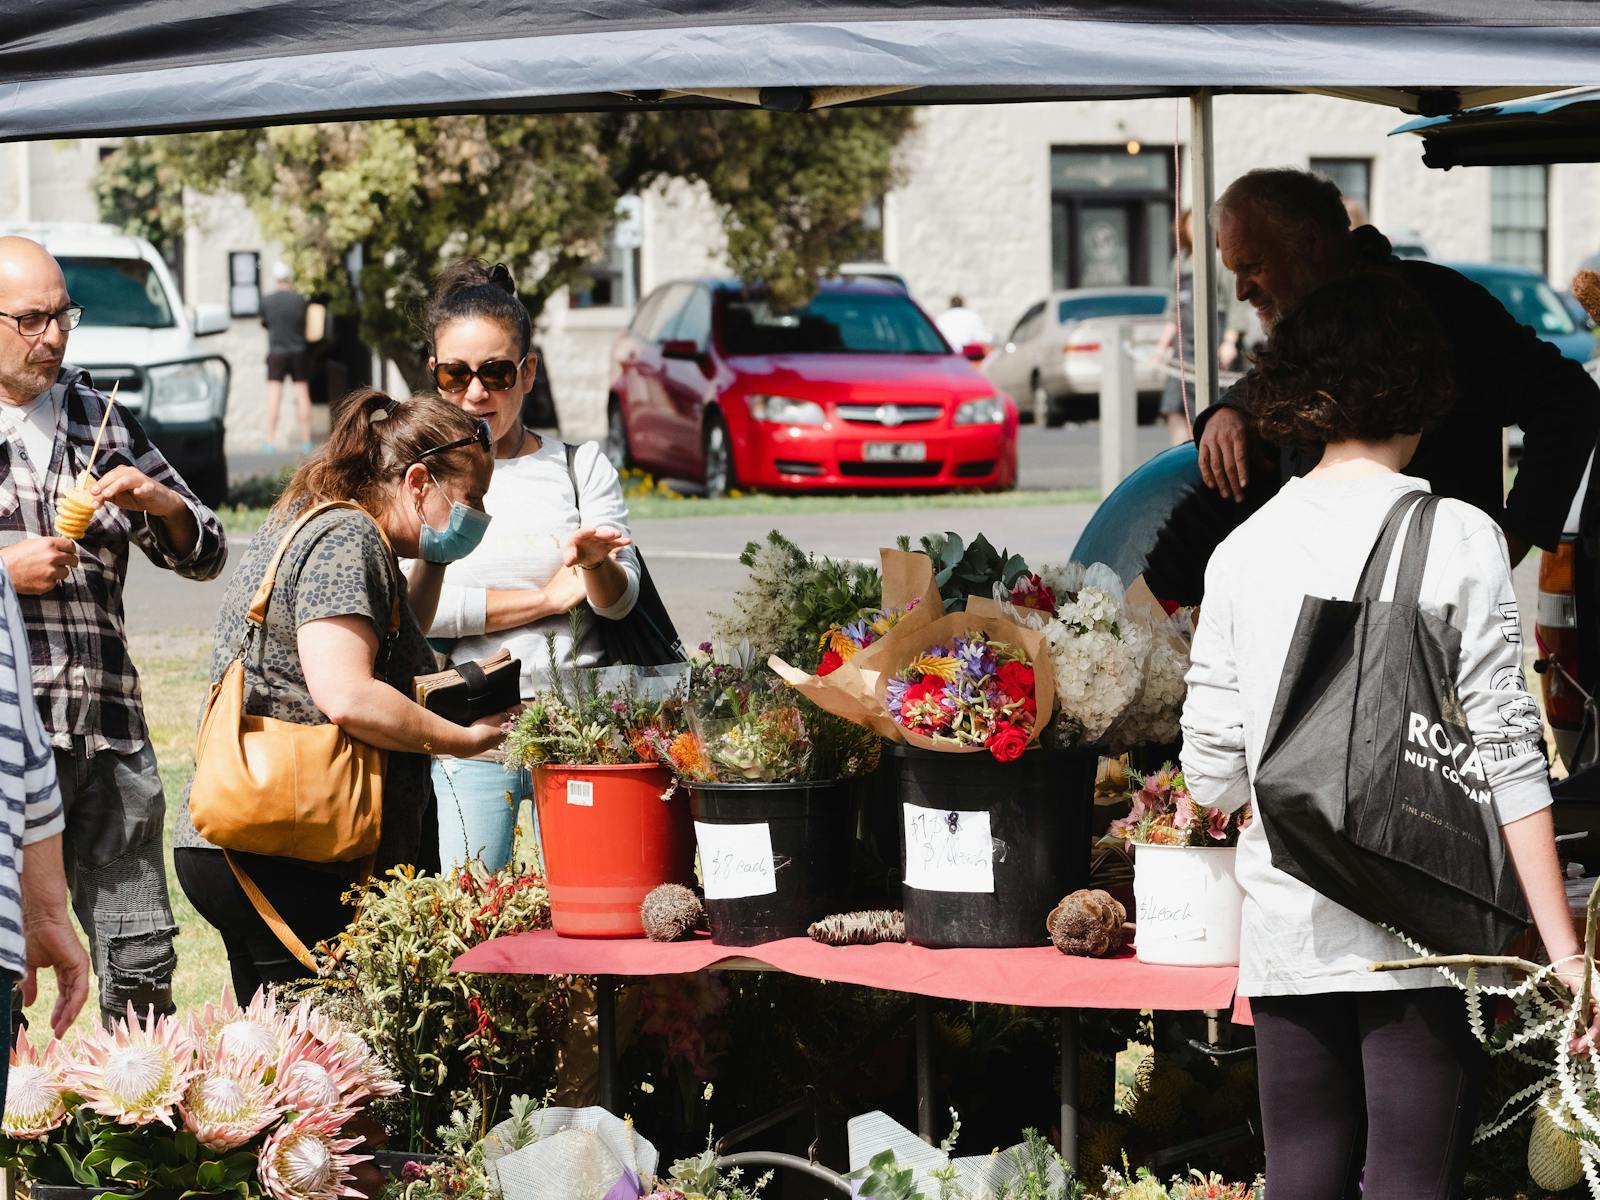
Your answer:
<point x="539" y="193"/>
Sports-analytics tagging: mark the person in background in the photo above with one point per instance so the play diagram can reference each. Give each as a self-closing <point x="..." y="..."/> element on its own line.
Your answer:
<point x="419" y="469"/>
<point x="961" y="326"/>
<point x="1368" y="1080"/>
<point x="1284" y="233"/>
<point x="561" y="543"/>
<point x="1177" y="347"/>
<point x="283" y="312"/>
<point x="84" y="682"/>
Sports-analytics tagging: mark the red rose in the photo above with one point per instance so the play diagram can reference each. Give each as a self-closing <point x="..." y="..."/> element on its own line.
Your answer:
<point x="1015" y="680"/>
<point x="831" y="662"/>
<point x="1007" y="742"/>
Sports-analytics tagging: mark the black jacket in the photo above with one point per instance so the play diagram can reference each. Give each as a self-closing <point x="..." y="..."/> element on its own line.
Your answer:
<point x="1504" y="374"/>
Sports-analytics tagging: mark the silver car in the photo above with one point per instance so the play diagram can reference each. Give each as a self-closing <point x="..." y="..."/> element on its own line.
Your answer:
<point x="1050" y="362"/>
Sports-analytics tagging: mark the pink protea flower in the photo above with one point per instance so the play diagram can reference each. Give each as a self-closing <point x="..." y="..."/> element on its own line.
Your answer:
<point x="256" y="1033"/>
<point x="376" y="1081"/>
<point x="228" y="1103"/>
<point x="314" y="1077"/>
<point x="308" y="1160"/>
<point x="134" y="1073"/>
<point x="35" y="1104"/>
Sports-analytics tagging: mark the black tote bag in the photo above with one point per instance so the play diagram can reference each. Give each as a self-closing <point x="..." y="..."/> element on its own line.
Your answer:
<point x="646" y="637"/>
<point x="1370" y="788"/>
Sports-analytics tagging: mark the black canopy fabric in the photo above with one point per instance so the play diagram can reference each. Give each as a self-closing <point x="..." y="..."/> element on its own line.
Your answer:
<point x="80" y="67"/>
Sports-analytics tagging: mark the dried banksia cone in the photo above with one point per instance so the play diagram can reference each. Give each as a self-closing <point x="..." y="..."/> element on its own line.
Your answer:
<point x="1586" y="287"/>
<point x="670" y="911"/>
<point x="1088" y="924"/>
<point x="860" y="928"/>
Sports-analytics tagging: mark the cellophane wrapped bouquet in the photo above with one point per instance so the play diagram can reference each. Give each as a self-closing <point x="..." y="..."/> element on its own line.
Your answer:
<point x="252" y="1101"/>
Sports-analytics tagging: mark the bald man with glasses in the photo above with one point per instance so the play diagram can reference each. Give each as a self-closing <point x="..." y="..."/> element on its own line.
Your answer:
<point x="70" y="596"/>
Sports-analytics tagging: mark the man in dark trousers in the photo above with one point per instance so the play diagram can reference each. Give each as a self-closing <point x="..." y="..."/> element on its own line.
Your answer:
<point x="283" y="312"/>
<point x="1284" y="233"/>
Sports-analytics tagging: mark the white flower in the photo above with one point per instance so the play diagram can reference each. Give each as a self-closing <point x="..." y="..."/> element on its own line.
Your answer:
<point x="1099" y="656"/>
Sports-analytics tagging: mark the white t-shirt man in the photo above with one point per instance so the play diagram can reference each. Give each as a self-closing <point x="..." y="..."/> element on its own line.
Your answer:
<point x="962" y="327"/>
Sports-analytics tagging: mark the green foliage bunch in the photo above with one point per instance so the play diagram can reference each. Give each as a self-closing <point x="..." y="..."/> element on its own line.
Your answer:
<point x="465" y="1173"/>
<point x="538" y="192"/>
<point x="454" y="1041"/>
<point x="962" y="569"/>
<point x="792" y="598"/>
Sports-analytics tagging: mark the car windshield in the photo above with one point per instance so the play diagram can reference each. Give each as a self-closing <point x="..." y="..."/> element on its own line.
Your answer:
<point x="1532" y="302"/>
<point x="833" y="323"/>
<point x="1133" y="304"/>
<point x="123" y="292"/>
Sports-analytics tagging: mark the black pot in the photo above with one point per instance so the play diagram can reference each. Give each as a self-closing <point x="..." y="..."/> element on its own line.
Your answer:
<point x="809" y="825"/>
<point x="1038" y="809"/>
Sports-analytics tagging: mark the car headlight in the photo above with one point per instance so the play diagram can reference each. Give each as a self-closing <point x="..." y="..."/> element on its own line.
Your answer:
<point x="987" y="410"/>
<point x="782" y="410"/>
<point x="185" y="392"/>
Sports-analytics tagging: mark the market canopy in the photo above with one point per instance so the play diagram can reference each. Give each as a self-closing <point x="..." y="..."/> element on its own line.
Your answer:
<point x="1552" y="129"/>
<point x="87" y="67"/>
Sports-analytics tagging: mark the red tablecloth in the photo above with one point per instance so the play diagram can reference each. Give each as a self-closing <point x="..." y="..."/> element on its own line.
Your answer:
<point x="1038" y="977"/>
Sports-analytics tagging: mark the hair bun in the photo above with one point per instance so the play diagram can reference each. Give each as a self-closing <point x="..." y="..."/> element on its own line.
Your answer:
<point x="500" y="276"/>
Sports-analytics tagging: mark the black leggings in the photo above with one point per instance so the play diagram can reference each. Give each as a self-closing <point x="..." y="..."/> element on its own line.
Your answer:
<point x="1380" y="1082"/>
<point x="305" y="896"/>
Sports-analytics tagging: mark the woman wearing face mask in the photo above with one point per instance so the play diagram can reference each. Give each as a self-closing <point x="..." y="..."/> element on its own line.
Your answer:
<point x="561" y="541"/>
<point x="326" y="653"/>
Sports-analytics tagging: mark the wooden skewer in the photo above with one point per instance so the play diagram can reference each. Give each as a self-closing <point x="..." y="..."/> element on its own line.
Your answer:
<point x="111" y="402"/>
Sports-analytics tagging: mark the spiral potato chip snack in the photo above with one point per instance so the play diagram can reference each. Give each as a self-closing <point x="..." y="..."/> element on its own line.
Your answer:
<point x="76" y="509"/>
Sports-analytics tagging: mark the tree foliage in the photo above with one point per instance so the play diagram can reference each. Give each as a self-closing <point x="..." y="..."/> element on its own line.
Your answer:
<point x="537" y="192"/>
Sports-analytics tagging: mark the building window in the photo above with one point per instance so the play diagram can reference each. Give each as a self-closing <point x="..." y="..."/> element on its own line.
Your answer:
<point x="1519" y="216"/>
<point x="1110" y="215"/>
<point x="1352" y="176"/>
<point x="613" y="281"/>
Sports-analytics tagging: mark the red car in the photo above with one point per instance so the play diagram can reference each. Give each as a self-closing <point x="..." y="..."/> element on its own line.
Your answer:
<point x="856" y="391"/>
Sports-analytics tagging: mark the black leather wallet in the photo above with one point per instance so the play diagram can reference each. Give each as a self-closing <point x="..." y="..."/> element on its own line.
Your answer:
<point x="470" y="691"/>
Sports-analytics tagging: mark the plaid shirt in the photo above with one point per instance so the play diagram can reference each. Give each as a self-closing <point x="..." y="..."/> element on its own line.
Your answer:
<point x="83" y="680"/>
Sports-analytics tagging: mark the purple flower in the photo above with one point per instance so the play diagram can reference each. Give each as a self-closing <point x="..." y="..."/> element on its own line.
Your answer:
<point x="895" y="695"/>
<point x="706" y="647"/>
<point x="859" y="633"/>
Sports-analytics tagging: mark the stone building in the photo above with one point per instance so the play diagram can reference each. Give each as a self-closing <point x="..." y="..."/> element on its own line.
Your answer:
<point x="999" y="204"/>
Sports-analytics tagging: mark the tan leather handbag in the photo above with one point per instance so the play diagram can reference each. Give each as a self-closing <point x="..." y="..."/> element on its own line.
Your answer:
<point x="277" y="788"/>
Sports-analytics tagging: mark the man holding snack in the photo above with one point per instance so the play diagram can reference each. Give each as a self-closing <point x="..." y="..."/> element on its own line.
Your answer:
<point x="71" y="598"/>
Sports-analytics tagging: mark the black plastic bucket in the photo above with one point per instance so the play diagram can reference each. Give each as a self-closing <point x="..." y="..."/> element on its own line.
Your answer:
<point x="1038" y="810"/>
<point x="810" y="828"/>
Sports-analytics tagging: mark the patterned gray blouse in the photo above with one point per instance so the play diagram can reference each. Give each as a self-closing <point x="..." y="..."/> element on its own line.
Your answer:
<point x="337" y="566"/>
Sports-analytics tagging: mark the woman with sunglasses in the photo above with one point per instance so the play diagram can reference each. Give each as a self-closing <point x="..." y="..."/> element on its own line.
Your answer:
<point x="330" y="651"/>
<point x="563" y="542"/>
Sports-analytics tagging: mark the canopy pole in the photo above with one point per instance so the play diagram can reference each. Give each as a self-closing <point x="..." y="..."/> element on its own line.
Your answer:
<point x="1202" y="188"/>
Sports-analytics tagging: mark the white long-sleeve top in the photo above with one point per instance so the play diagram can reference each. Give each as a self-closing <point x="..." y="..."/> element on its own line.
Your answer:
<point x="1313" y="539"/>
<point x="530" y="499"/>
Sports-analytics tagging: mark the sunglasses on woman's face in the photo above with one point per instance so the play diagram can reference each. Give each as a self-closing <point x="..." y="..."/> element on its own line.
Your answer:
<point x="481" y="436"/>
<point x="497" y="375"/>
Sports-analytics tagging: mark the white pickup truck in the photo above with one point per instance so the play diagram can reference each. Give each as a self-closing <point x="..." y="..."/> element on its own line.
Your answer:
<point x="136" y="332"/>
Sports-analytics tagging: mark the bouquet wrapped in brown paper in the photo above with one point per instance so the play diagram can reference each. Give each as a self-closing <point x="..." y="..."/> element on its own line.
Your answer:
<point x="961" y="682"/>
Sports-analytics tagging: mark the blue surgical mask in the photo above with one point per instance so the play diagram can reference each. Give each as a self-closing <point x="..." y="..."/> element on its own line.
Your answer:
<point x="459" y="537"/>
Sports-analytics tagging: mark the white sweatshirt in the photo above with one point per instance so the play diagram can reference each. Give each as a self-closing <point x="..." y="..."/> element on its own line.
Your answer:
<point x="530" y="499"/>
<point x="1313" y="539"/>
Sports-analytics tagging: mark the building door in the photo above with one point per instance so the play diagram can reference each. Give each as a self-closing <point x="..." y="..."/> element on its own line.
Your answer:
<point x="1111" y="217"/>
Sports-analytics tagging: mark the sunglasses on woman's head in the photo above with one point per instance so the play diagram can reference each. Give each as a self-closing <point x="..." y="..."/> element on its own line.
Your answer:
<point x="481" y="436"/>
<point x="497" y="375"/>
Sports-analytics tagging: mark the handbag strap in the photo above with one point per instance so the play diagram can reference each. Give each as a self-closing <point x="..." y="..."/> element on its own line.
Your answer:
<point x="1413" y="555"/>
<point x="257" y="613"/>
<point x="270" y="915"/>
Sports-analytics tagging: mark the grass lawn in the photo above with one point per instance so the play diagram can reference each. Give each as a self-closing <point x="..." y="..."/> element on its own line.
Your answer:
<point x="649" y="505"/>
<point x="173" y="667"/>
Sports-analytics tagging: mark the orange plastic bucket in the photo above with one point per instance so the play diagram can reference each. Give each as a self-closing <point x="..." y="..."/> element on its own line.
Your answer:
<point x="608" y="839"/>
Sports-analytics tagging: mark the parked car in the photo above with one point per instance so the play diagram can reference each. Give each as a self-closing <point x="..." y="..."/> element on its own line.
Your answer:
<point x="880" y="271"/>
<point x="856" y="390"/>
<point x="137" y="333"/>
<point x="1051" y="359"/>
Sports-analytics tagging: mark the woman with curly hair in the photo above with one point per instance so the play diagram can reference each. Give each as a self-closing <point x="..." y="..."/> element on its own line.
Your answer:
<point x="1367" y="1080"/>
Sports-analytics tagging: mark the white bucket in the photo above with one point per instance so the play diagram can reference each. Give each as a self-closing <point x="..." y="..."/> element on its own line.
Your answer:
<point x="1188" y="905"/>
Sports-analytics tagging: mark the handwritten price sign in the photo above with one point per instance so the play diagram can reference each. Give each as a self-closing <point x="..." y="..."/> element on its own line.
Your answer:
<point x="736" y="860"/>
<point x="948" y="851"/>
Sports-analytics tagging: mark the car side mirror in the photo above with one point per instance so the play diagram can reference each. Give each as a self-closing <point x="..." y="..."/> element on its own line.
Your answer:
<point x="207" y="319"/>
<point x="682" y="348"/>
<point x="975" y="352"/>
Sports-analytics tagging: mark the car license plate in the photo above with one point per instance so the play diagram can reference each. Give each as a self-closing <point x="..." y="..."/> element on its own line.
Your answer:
<point x="895" y="452"/>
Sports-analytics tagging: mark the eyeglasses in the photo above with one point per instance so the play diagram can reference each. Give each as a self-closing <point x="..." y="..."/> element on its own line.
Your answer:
<point x="480" y="436"/>
<point x="32" y="324"/>
<point x="498" y="375"/>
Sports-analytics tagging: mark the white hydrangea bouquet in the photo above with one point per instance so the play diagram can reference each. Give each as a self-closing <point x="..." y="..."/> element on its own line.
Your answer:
<point x="248" y="1102"/>
<point x="1117" y="682"/>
